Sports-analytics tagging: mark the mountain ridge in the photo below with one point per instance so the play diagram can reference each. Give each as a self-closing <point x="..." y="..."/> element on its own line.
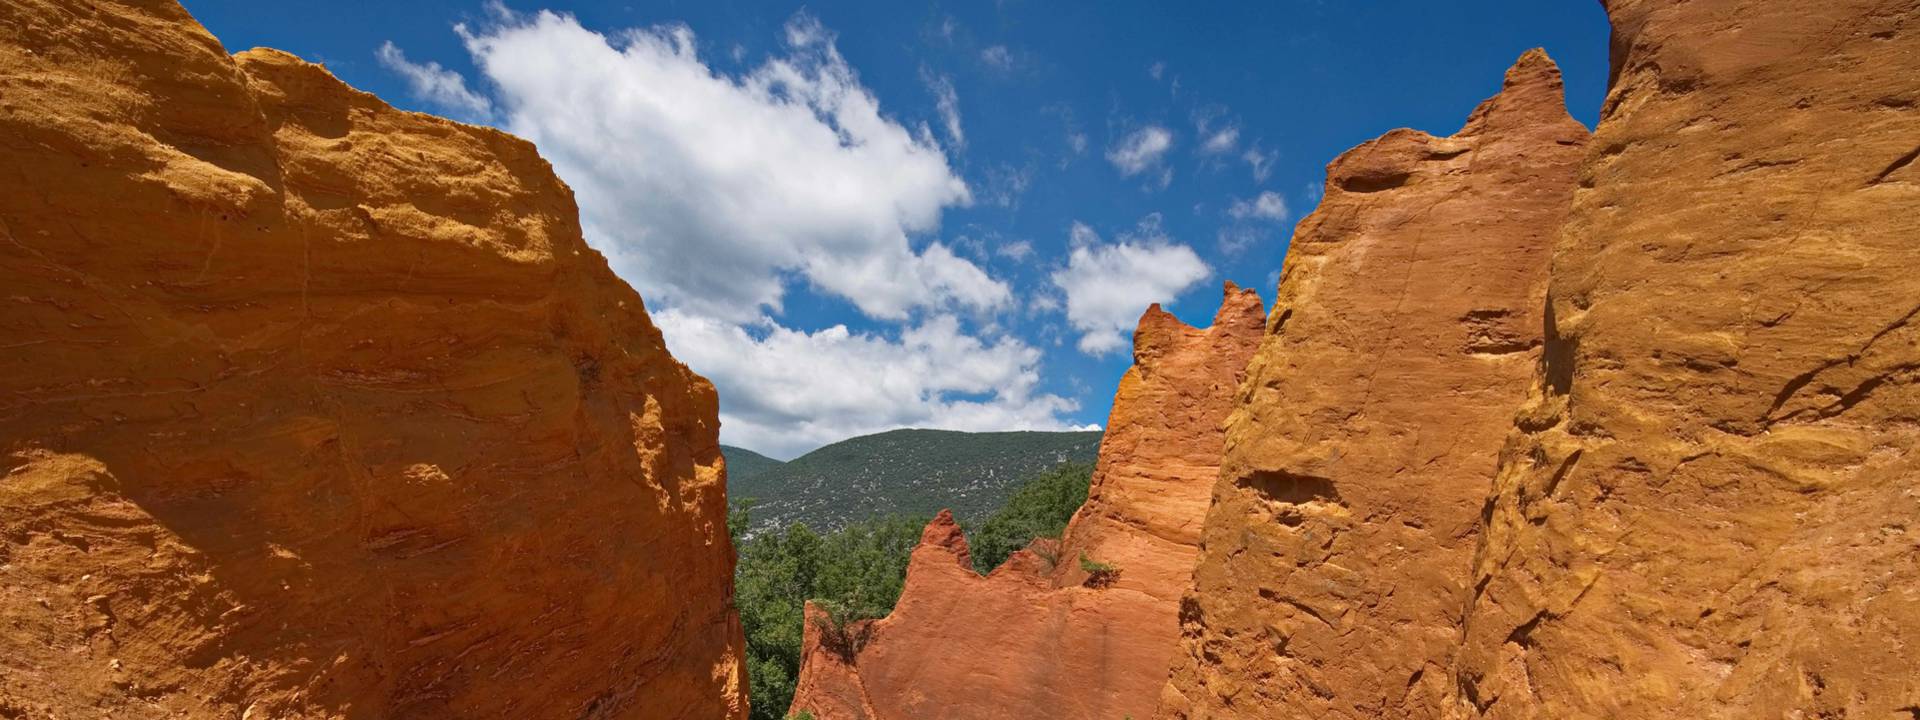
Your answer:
<point x="910" y="471"/>
<point x="743" y="463"/>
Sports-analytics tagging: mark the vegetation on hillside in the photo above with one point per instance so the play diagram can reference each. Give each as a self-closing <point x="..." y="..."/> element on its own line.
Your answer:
<point x="744" y="464"/>
<point x="904" y="472"/>
<point x="857" y="571"/>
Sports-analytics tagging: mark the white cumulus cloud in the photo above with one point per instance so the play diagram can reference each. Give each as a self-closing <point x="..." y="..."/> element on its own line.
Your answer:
<point x="1267" y="205"/>
<point x="787" y="391"/>
<point x="1221" y="141"/>
<point x="1140" y="150"/>
<point x="1108" y="285"/>
<point x="444" y="89"/>
<point x="1218" y="133"/>
<point x="715" y="192"/>
<point x="710" y="192"/>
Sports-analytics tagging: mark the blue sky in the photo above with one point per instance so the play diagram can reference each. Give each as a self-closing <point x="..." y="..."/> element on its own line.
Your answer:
<point x="859" y="216"/>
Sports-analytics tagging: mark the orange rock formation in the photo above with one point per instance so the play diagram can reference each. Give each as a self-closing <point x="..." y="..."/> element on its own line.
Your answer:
<point x="312" y="408"/>
<point x="1037" y="638"/>
<point x="1363" y="444"/>
<point x="1704" y="508"/>
<point x="1710" y="507"/>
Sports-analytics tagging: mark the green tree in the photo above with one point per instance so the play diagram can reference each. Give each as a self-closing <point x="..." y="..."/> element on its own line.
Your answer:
<point x="857" y="572"/>
<point x="1040" y="508"/>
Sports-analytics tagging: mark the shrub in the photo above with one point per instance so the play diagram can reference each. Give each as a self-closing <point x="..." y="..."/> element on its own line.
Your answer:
<point x="842" y="633"/>
<point x="1099" y="574"/>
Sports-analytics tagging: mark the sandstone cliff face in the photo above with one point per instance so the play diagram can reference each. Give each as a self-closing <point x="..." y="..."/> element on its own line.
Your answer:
<point x="312" y="408"/>
<point x="1035" y="637"/>
<point x="1363" y="443"/>
<point x="1708" y="508"/>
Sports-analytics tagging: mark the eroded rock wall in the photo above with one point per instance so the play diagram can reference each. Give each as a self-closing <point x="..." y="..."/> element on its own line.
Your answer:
<point x="1709" y="506"/>
<point x="1037" y="637"/>
<point x="312" y="408"/>
<point x="1363" y="443"/>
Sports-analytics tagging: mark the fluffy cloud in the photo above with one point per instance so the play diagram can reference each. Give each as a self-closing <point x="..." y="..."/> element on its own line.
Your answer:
<point x="1108" y="285"/>
<point x="1218" y="134"/>
<point x="438" y="86"/>
<point x="1221" y="141"/>
<point x="1253" y="219"/>
<point x="1267" y="205"/>
<point x="786" y="391"/>
<point x="1140" y="150"/>
<point x="709" y="192"/>
<point x="713" y="192"/>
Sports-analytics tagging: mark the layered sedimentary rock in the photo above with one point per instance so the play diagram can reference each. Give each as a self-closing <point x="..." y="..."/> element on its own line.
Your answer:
<point x="312" y="408"/>
<point x="1710" y="507"/>
<point x="1038" y="637"/>
<point x="1363" y="443"/>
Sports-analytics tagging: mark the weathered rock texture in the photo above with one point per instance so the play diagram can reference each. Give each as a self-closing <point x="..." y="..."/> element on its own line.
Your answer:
<point x="1363" y="444"/>
<point x="312" y="408"/>
<point x="1037" y="637"/>
<point x="1710" y="507"/>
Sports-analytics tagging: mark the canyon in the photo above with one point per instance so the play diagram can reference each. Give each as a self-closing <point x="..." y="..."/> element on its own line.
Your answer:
<point x="315" y="408"/>
<point x="1082" y="625"/>
<point x="1546" y="425"/>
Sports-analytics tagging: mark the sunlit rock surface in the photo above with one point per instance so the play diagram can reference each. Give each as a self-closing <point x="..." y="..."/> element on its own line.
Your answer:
<point x="1363" y="444"/>
<point x="313" y="408"/>
<point x="1039" y="637"/>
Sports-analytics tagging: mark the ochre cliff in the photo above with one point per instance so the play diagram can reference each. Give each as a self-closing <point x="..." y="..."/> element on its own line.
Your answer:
<point x="1710" y="506"/>
<point x="1362" y="446"/>
<point x="312" y="408"/>
<point x="1037" y="637"/>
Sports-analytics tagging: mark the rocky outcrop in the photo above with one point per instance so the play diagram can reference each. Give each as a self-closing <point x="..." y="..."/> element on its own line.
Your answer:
<point x="1362" y="446"/>
<point x="1708" y="507"/>
<point x="312" y="408"/>
<point x="1705" y="505"/>
<point x="1039" y="635"/>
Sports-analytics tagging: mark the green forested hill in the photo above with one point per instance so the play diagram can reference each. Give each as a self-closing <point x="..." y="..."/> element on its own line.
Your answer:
<point x="744" y="464"/>
<point x="905" y="472"/>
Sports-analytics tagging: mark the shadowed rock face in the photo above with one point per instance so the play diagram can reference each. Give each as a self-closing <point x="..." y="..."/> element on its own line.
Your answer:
<point x="1363" y="444"/>
<point x="1710" y="507"/>
<point x="312" y="408"/>
<point x="1038" y="637"/>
